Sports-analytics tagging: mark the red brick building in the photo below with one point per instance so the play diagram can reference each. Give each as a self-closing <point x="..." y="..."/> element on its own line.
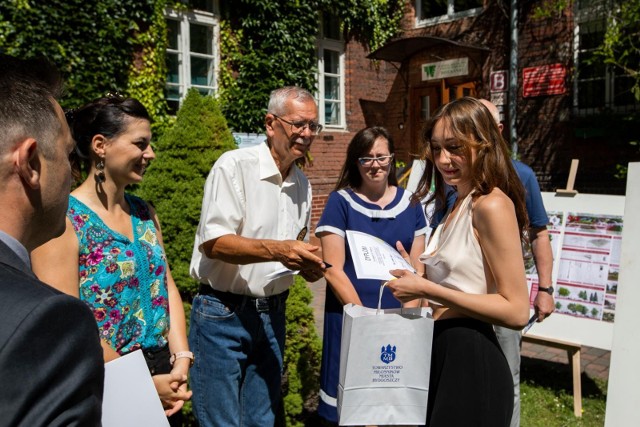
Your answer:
<point x="565" y="107"/>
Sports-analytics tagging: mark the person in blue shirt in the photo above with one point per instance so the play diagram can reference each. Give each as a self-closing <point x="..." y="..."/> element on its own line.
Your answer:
<point x="510" y="340"/>
<point x="366" y="199"/>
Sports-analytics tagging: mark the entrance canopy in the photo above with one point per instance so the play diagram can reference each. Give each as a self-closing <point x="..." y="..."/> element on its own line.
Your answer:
<point x="400" y="49"/>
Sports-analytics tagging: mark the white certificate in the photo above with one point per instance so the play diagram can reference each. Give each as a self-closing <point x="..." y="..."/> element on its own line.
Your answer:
<point x="130" y="398"/>
<point x="373" y="257"/>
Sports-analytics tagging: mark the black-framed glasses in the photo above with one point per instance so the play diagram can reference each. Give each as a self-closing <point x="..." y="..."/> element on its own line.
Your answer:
<point x="382" y="160"/>
<point x="299" y="127"/>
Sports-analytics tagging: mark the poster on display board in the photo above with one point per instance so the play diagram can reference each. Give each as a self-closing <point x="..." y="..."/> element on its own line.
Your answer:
<point x="586" y="240"/>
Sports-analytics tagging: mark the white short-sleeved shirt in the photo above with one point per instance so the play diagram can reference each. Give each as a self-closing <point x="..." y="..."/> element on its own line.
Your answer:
<point x="244" y="195"/>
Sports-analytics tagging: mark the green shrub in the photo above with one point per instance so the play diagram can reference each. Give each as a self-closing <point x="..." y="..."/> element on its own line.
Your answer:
<point x="301" y="356"/>
<point x="175" y="179"/>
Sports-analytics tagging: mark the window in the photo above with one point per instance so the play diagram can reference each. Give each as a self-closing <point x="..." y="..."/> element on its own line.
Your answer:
<point x="597" y="86"/>
<point x="429" y="12"/>
<point x="331" y="73"/>
<point x="192" y="51"/>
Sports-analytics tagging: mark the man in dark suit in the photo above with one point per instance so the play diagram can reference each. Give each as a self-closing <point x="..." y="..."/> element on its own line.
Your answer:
<point x="51" y="366"/>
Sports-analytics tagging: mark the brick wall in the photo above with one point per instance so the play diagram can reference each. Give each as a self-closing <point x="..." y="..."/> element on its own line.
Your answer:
<point x="544" y="130"/>
<point x="366" y="82"/>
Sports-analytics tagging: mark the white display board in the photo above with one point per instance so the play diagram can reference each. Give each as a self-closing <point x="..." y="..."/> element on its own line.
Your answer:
<point x="586" y="237"/>
<point x="623" y="395"/>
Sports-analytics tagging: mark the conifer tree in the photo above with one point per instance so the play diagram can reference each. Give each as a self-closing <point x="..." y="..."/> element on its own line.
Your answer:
<point x="175" y="180"/>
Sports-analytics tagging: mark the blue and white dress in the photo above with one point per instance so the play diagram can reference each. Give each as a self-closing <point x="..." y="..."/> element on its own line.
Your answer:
<point x="399" y="221"/>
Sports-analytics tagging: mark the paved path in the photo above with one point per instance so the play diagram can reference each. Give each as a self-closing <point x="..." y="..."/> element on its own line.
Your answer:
<point x="594" y="362"/>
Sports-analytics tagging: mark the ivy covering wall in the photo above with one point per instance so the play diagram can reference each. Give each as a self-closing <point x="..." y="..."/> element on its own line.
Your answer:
<point x="119" y="45"/>
<point x="95" y="46"/>
<point x="267" y="44"/>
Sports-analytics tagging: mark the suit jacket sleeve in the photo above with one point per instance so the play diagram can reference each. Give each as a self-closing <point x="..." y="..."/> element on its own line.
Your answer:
<point x="51" y="366"/>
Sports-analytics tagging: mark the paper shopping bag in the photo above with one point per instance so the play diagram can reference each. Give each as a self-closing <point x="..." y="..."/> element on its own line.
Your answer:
<point x="385" y="362"/>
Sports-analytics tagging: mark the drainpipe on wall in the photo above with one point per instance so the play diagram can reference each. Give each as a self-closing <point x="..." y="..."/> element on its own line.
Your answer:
<point x="513" y="78"/>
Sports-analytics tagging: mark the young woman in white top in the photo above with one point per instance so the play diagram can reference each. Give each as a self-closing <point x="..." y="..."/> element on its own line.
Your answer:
<point x="474" y="267"/>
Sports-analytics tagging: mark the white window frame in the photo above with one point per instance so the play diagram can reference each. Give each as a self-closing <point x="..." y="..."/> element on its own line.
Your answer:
<point x="185" y="19"/>
<point x="451" y="15"/>
<point x="585" y="17"/>
<point x="334" y="46"/>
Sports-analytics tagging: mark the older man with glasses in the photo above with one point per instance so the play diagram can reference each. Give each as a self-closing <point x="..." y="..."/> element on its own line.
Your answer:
<point x="255" y="213"/>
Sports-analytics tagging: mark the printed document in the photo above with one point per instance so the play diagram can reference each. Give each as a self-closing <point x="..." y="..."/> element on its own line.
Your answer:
<point x="373" y="257"/>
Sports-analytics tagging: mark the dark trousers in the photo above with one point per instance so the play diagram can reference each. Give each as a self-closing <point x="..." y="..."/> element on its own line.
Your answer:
<point x="470" y="384"/>
<point x="158" y="363"/>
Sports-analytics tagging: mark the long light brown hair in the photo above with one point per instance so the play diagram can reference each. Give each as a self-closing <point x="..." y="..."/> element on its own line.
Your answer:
<point x="472" y="124"/>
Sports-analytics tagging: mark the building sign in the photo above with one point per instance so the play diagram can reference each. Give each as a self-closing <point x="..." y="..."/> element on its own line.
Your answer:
<point x="499" y="81"/>
<point x="499" y="99"/>
<point x="544" y="80"/>
<point x="444" y="69"/>
<point x="244" y="140"/>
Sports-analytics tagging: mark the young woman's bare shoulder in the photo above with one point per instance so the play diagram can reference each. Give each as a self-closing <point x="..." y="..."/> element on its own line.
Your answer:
<point x="493" y="204"/>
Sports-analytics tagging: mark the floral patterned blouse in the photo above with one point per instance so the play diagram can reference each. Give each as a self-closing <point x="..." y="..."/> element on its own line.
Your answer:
<point x="124" y="282"/>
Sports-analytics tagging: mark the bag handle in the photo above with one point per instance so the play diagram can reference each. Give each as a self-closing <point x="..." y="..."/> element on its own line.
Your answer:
<point x="380" y="299"/>
<point x="380" y="296"/>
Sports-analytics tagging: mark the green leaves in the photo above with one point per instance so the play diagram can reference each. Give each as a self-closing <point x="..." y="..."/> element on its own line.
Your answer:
<point x="93" y="44"/>
<point x="267" y="44"/>
<point x="175" y="180"/>
<point x="621" y="46"/>
<point x="301" y="355"/>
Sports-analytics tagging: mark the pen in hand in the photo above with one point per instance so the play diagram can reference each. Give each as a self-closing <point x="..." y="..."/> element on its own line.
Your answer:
<point x="530" y="323"/>
<point x="301" y="235"/>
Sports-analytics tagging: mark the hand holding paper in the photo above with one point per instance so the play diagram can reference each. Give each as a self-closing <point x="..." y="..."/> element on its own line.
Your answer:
<point x="408" y="285"/>
<point x="373" y="258"/>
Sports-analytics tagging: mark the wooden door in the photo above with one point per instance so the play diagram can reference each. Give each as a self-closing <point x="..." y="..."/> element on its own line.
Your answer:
<point x="424" y="102"/>
<point x="453" y="92"/>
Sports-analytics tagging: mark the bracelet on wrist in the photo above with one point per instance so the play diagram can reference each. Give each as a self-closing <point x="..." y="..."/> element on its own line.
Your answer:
<point x="182" y="355"/>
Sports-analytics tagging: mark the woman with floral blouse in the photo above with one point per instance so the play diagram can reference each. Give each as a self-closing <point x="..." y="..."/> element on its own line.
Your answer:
<point x="111" y="255"/>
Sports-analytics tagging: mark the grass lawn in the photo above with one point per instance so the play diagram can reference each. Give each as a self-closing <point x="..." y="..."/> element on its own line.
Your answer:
<point x="547" y="396"/>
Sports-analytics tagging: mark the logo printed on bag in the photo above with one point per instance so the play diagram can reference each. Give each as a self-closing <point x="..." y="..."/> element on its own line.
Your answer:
<point x="388" y="353"/>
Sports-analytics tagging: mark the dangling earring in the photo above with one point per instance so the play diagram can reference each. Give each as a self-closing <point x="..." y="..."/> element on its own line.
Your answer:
<point x="100" y="178"/>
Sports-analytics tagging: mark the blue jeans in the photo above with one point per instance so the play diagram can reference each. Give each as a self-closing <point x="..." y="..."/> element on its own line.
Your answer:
<point x="239" y="348"/>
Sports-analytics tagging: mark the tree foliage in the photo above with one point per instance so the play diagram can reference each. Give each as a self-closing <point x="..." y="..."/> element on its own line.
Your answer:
<point x="174" y="182"/>
<point x="621" y="45"/>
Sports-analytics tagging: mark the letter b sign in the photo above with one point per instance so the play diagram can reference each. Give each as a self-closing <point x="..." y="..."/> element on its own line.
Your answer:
<point x="499" y="81"/>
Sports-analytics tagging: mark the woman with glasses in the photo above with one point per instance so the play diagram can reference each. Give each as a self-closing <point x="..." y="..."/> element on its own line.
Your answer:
<point x="111" y="254"/>
<point x="366" y="199"/>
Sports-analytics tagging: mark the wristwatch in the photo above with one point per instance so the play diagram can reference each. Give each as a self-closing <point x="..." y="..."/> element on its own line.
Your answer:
<point x="180" y="355"/>
<point x="548" y="290"/>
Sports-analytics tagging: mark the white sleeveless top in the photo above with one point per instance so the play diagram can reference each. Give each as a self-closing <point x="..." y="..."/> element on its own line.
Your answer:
<point x="454" y="258"/>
